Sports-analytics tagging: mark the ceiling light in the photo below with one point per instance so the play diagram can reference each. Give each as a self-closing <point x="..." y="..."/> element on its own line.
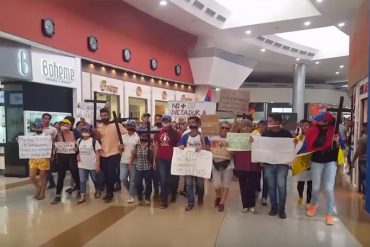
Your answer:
<point x="307" y="23"/>
<point x="342" y="66"/>
<point x="297" y="59"/>
<point x="319" y="1"/>
<point x="263" y="50"/>
<point x="317" y="62"/>
<point x="163" y="3"/>
<point x="345" y="86"/>
<point x="248" y="32"/>
<point x="217" y="89"/>
<point x="337" y="72"/>
<point x="342" y="24"/>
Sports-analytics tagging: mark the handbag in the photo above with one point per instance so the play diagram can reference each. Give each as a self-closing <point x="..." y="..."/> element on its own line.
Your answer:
<point x="221" y="165"/>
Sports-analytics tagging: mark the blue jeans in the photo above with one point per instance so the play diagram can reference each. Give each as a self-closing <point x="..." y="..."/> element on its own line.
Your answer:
<point x="127" y="177"/>
<point x="326" y="173"/>
<point x="147" y="177"/>
<point x="362" y="165"/>
<point x="169" y="183"/>
<point x="199" y="183"/>
<point x="276" y="176"/>
<point x="84" y="177"/>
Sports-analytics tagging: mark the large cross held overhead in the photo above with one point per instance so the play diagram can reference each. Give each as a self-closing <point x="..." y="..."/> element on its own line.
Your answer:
<point x="339" y="112"/>
<point x="95" y="102"/>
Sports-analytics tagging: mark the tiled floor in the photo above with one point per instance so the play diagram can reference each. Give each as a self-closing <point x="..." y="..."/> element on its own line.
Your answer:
<point x="26" y="222"/>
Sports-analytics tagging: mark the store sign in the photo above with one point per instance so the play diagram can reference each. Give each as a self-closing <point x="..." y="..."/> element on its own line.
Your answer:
<point x="56" y="70"/>
<point x="107" y="88"/>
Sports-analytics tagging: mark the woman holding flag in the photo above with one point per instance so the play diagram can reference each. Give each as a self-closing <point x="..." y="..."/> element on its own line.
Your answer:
<point x="324" y="144"/>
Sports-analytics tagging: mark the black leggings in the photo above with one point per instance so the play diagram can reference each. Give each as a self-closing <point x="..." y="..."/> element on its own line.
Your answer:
<point x="67" y="162"/>
<point x="300" y="188"/>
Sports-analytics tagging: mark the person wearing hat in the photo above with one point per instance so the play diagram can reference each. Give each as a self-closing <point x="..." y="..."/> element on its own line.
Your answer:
<point x="127" y="171"/>
<point x="66" y="161"/>
<point x="165" y="141"/>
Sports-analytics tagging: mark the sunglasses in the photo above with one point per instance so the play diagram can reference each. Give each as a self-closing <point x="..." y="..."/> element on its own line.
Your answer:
<point x="225" y="128"/>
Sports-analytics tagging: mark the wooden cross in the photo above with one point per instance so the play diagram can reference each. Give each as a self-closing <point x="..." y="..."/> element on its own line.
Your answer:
<point x="116" y="122"/>
<point x="95" y="102"/>
<point x="339" y="112"/>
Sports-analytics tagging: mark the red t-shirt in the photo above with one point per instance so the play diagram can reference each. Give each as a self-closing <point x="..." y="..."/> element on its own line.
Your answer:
<point x="164" y="147"/>
<point x="243" y="162"/>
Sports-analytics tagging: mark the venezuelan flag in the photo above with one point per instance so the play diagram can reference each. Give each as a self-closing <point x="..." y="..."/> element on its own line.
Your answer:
<point x="208" y="95"/>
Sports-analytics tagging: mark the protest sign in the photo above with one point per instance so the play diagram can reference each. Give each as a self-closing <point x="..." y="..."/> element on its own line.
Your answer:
<point x="238" y="141"/>
<point x="65" y="147"/>
<point x="219" y="149"/>
<point x="234" y="101"/>
<point x="86" y="110"/>
<point x="210" y="125"/>
<point x="187" y="162"/>
<point x="273" y="150"/>
<point x="188" y="109"/>
<point x="34" y="147"/>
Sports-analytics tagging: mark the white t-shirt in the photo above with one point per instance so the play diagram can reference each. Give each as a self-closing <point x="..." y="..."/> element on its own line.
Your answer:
<point x="194" y="142"/>
<point x="51" y="131"/>
<point x="87" y="153"/>
<point x="129" y="143"/>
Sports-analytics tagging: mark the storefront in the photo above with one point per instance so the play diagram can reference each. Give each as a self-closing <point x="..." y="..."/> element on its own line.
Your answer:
<point x="160" y="97"/>
<point x="53" y="86"/>
<point x="137" y="100"/>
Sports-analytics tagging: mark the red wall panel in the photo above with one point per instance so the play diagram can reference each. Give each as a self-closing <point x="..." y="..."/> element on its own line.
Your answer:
<point x="116" y="24"/>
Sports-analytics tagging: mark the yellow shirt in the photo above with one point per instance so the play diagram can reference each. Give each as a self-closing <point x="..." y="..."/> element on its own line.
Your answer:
<point x="109" y="139"/>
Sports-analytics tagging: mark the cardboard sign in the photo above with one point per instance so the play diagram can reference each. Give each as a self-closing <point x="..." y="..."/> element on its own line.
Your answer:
<point x="35" y="147"/>
<point x="187" y="162"/>
<point x="65" y="147"/>
<point x="238" y="141"/>
<point x="234" y="101"/>
<point x="210" y="125"/>
<point x="86" y="110"/>
<point x="188" y="109"/>
<point x="219" y="150"/>
<point x="273" y="150"/>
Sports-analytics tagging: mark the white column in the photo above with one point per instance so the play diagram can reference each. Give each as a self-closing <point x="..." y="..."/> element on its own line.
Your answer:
<point x="298" y="90"/>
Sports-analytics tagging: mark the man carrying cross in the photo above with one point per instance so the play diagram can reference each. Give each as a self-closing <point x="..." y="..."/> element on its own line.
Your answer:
<point x="107" y="133"/>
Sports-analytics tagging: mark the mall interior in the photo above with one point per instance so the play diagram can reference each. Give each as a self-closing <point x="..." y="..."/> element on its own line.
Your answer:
<point x="294" y="57"/>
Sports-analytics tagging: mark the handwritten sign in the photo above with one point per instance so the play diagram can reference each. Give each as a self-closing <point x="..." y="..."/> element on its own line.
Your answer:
<point x="188" y="109"/>
<point x="35" y="147"/>
<point x="210" y="125"/>
<point x="238" y="141"/>
<point x="273" y="150"/>
<point x="219" y="149"/>
<point x="187" y="162"/>
<point x="86" y="110"/>
<point x="65" y="147"/>
<point x="234" y="101"/>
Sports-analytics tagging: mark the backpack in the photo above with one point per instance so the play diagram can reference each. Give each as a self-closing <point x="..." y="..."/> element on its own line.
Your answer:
<point x="93" y="143"/>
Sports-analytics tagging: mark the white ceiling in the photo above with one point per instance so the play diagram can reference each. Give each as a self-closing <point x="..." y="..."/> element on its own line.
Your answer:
<point x="274" y="65"/>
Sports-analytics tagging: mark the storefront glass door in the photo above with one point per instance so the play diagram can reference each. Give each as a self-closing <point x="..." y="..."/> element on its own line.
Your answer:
<point x="137" y="107"/>
<point x="112" y="101"/>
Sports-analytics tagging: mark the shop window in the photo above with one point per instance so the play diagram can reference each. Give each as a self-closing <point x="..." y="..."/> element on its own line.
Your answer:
<point x="112" y="101"/>
<point x="161" y="107"/>
<point x="137" y="107"/>
<point x="282" y="110"/>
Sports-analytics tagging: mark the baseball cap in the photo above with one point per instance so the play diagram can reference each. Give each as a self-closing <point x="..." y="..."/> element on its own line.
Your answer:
<point x="146" y="115"/>
<point x="131" y="122"/>
<point x="263" y="122"/>
<point x="324" y="116"/>
<point x="167" y="118"/>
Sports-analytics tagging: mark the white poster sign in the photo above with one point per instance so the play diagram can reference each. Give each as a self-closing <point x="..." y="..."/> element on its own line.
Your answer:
<point x="188" y="109"/>
<point x="65" y="147"/>
<point x="273" y="150"/>
<point x="86" y="110"/>
<point x="34" y="147"/>
<point x="54" y="69"/>
<point x="187" y="162"/>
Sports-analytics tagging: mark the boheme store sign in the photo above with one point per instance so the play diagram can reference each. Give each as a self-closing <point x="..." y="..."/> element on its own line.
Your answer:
<point x="57" y="70"/>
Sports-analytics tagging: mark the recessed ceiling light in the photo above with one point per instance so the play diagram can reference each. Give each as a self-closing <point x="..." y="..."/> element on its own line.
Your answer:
<point x="319" y="1"/>
<point x="342" y="24"/>
<point x="317" y="62"/>
<point x="217" y="89"/>
<point x="297" y="59"/>
<point x="248" y="32"/>
<point x="263" y="50"/>
<point x="307" y="23"/>
<point x="163" y="3"/>
<point x="337" y="72"/>
<point x="342" y="66"/>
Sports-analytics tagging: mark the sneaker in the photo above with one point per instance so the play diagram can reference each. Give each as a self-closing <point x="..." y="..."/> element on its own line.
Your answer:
<point x="245" y="210"/>
<point x="264" y="201"/>
<point x="130" y="199"/>
<point x="189" y="207"/>
<point x="183" y="193"/>
<point x="217" y="202"/>
<point x="221" y="207"/>
<point x="311" y="211"/>
<point x="51" y="186"/>
<point x="273" y="212"/>
<point x="253" y="210"/>
<point x="299" y="202"/>
<point x="200" y="201"/>
<point x="163" y="206"/>
<point x="97" y="194"/>
<point x="329" y="220"/>
<point x="56" y="200"/>
<point x="282" y="215"/>
<point x="82" y="199"/>
<point x="69" y="190"/>
<point x="108" y="199"/>
<point x="147" y="202"/>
